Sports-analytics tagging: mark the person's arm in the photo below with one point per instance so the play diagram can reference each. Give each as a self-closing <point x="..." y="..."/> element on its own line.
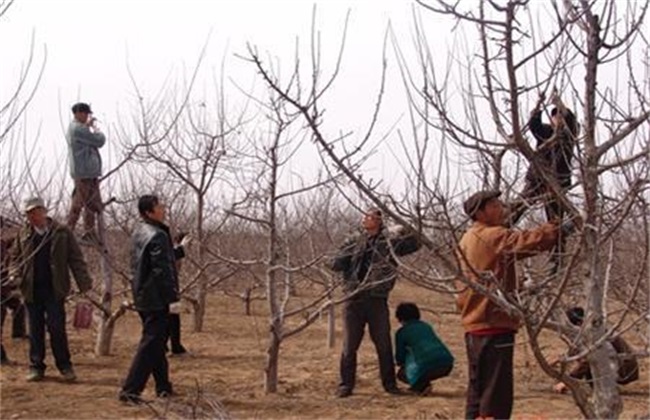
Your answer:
<point x="77" y="264"/>
<point x="343" y="259"/>
<point x="160" y="258"/>
<point x="526" y="243"/>
<point x="406" y="243"/>
<point x="83" y="135"/>
<point x="400" y="348"/>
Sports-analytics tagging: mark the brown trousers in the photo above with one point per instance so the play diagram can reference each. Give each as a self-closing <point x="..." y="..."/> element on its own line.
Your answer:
<point x="491" y="390"/>
<point x="85" y="196"/>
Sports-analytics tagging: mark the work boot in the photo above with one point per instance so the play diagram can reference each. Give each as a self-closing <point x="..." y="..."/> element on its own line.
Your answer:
<point x="35" y="375"/>
<point x="343" y="392"/>
<point x="69" y="375"/>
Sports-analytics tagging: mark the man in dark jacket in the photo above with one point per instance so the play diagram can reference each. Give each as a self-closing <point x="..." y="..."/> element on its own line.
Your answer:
<point x="155" y="287"/>
<point x="84" y="141"/>
<point x="553" y="153"/>
<point x="369" y="274"/>
<point x="41" y="260"/>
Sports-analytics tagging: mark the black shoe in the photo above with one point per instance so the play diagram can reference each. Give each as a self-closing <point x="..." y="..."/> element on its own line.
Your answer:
<point x="128" y="398"/>
<point x="394" y="390"/>
<point x="343" y="392"/>
<point x="165" y="394"/>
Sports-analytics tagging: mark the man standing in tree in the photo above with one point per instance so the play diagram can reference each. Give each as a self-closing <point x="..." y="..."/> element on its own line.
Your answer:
<point x="487" y="254"/>
<point x="369" y="274"/>
<point x="42" y="257"/>
<point x="84" y="141"/>
<point x="155" y="287"/>
<point x="553" y="154"/>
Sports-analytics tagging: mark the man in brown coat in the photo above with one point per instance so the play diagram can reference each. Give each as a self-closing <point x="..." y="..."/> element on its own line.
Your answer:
<point x="44" y="254"/>
<point x="487" y="254"/>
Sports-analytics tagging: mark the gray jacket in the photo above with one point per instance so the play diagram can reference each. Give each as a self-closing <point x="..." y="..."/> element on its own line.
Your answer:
<point x="83" y="150"/>
<point x="381" y="268"/>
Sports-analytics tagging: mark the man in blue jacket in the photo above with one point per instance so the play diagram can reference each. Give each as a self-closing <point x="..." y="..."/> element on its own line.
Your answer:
<point x="155" y="287"/>
<point x="84" y="141"/>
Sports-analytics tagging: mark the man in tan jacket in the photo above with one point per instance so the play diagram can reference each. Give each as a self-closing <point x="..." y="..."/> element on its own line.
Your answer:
<point x="487" y="254"/>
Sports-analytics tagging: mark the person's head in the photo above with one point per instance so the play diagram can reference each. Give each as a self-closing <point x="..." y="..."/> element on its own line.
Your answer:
<point x="151" y="208"/>
<point x="81" y="112"/>
<point x="485" y="207"/>
<point x="372" y="221"/>
<point x="576" y="315"/>
<point x="407" y="311"/>
<point x="36" y="212"/>
<point x="557" y="117"/>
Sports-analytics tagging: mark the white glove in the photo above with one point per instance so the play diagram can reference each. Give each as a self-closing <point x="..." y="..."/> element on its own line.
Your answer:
<point x="185" y="242"/>
<point x="175" y="308"/>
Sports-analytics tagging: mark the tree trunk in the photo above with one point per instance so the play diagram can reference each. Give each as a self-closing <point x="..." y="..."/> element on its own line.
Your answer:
<point x="272" y="358"/>
<point x="202" y="291"/>
<point x="106" y="327"/>
<point x="331" y="326"/>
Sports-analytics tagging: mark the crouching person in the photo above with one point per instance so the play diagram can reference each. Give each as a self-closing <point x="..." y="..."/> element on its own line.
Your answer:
<point x="420" y="355"/>
<point x="155" y="287"/>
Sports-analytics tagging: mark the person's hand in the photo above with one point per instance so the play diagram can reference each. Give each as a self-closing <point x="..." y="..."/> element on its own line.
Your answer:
<point x="186" y="241"/>
<point x="175" y="308"/>
<point x="560" y="388"/>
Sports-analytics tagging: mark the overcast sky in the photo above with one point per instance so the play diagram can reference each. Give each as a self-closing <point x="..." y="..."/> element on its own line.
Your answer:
<point x="89" y="44"/>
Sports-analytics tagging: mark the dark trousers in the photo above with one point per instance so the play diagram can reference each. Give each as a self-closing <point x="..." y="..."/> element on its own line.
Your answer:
<point x="358" y="313"/>
<point x="490" y="390"/>
<point x="426" y="379"/>
<point x="175" y="333"/>
<point x="50" y="313"/>
<point x="150" y="357"/>
<point x="17" y="308"/>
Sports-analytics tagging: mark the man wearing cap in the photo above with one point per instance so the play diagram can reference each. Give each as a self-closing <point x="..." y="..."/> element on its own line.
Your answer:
<point x="84" y="141"/>
<point x="369" y="274"/>
<point x="487" y="253"/>
<point x="41" y="260"/>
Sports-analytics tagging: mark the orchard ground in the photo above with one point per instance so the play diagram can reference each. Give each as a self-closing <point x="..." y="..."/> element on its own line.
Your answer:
<point x="227" y="362"/>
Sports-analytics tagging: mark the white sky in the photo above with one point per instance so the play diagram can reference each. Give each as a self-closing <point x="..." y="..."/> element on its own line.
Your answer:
<point x="90" y="42"/>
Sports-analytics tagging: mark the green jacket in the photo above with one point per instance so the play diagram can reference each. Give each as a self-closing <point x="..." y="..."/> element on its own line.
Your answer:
<point x="65" y="256"/>
<point x="419" y="350"/>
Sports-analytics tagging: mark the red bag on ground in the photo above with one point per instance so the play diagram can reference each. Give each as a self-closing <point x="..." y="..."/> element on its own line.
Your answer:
<point x="83" y="315"/>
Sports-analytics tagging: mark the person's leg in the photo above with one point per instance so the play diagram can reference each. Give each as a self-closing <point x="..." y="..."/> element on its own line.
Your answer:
<point x="18" y="329"/>
<point x="93" y="204"/>
<point x="474" y="347"/>
<point x="354" y="323"/>
<point x="496" y="377"/>
<point x="429" y="376"/>
<point x="175" y="334"/>
<point x="379" y="328"/>
<point x="55" y="320"/>
<point x="160" y="328"/>
<point x="143" y="362"/>
<point x="36" y="336"/>
<point x="3" y="314"/>
<point x="78" y="200"/>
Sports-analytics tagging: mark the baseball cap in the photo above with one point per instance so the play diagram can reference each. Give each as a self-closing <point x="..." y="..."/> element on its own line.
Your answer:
<point x="33" y="203"/>
<point x="478" y="199"/>
<point x="81" y="107"/>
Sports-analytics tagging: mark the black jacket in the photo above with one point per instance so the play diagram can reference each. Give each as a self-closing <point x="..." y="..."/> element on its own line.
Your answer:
<point x="377" y="276"/>
<point x="557" y="156"/>
<point x="155" y="280"/>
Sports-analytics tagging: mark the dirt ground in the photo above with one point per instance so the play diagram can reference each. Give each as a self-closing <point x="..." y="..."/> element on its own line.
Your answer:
<point x="226" y="368"/>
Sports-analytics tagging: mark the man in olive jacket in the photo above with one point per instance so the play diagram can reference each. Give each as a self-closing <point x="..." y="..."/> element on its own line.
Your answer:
<point x="369" y="274"/>
<point x="44" y="254"/>
<point x="155" y="287"/>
